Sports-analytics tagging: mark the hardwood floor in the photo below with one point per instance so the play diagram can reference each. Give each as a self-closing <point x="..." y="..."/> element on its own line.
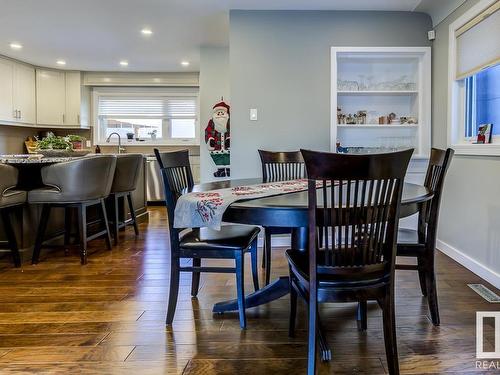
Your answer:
<point x="107" y="317"/>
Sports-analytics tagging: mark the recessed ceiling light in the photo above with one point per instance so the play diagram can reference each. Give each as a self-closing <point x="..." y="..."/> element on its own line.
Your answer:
<point x="61" y="62"/>
<point x="124" y="63"/>
<point x="146" y="31"/>
<point x="185" y="63"/>
<point x="15" y="45"/>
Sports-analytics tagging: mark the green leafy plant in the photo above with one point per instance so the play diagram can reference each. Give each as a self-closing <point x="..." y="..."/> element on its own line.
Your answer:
<point x="74" y="138"/>
<point x="54" y="143"/>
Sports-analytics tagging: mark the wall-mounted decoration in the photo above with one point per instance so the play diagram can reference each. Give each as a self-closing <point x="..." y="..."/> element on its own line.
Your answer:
<point x="217" y="138"/>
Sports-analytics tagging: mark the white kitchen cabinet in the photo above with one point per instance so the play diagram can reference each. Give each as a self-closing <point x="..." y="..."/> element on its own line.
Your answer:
<point x="17" y="92"/>
<point x="73" y="98"/>
<point x="24" y="94"/>
<point x="50" y="97"/>
<point x="7" y="112"/>
<point x="61" y="99"/>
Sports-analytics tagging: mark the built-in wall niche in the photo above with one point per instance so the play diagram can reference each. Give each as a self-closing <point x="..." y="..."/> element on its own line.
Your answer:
<point x="381" y="83"/>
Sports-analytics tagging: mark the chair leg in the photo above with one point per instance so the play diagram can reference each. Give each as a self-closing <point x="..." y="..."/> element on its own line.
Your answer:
<point x="293" y="310"/>
<point x="268" y="256"/>
<point x="195" y="284"/>
<point x="11" y="237"/>
<point x="320" y="237"/>
<point x="389" y="322"/>
<point x="116" y="219"/>
<point x="132" y="213"/>
<point x="67" y="229"/>
<point x="263" y="265"/>
<point x="432" y="297"/>
<point x="312" y="339"/>
<point x="174" y="289"/>
<point x="362" y="317"/>
<point x="255" y="262"/>
<point x="106" y="224"/>
<point x="421" y="275"/>
<point x="44" y="218"/>
<point x="240" y="287"/>
<point x="82" y="229"/>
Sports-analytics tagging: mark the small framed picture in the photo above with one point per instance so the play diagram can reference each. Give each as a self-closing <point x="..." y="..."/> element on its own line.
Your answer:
<point x="484" y="133"/>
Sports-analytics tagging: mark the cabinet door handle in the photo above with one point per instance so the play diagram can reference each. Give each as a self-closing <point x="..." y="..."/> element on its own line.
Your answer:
<point x="19" y="114"/>
<point x="78" y="119"/>
<point x="63" y="118"/>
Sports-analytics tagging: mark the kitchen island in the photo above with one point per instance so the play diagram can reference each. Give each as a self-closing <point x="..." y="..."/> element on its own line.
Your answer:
<point x="25" y="220"/>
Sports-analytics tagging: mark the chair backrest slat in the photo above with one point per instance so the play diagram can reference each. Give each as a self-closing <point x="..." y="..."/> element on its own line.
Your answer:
<point x="357" y="206"/>
<point x="439" y="162"/>
<point x="177" y="177"/>
<point x="281" y="166"/>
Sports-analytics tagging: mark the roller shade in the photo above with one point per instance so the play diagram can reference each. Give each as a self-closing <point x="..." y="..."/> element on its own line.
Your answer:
<point x="169" y="107"/>
<point x="478" y="42"/>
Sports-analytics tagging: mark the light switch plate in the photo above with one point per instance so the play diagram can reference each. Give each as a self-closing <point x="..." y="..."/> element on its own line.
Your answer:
<point x="253" y="114"/>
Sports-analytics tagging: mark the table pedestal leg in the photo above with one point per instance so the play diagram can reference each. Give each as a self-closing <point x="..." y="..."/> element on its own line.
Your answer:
<point x="277" y="289"/>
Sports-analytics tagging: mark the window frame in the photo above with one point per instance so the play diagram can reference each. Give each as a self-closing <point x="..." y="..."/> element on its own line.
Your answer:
<point x="457" y="93"/>
<point x="138" y="92"/>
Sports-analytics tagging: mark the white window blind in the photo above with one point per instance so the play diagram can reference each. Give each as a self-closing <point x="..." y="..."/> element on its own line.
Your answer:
<point x="478" y="42"/>
<point x="165" y="107"/>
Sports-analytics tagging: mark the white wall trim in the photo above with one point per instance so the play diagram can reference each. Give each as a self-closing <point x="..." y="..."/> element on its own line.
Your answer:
<point x="471" y="264"/>
<point x="456" y="91"/>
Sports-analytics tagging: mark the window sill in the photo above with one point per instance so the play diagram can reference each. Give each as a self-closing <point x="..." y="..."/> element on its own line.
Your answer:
<point x="149" y="143"/>
<point x="489" y="149"/>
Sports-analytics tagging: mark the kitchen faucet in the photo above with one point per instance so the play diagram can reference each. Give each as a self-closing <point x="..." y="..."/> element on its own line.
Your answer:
<point x="120" y="149"/>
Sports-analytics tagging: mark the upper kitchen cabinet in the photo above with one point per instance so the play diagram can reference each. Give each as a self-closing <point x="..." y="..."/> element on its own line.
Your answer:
<point x="24" y="93"/>
<point x="17" y="92"/>
<point x="50" y="97"/>
<point x="7" y="112"/>
<point x="61" y="99"/>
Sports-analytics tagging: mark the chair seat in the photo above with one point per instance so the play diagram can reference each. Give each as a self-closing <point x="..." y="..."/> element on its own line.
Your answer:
<point x="339" y="277"/>
<point x="49" y="194"/>
<point x="230" y="237"/>
<point x="12" y="198"/>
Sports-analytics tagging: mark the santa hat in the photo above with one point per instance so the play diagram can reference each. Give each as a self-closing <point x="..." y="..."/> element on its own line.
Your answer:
<point x="221" y="105"/>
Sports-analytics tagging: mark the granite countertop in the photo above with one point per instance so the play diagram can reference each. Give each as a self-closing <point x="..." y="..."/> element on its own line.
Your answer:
<point x="25" y="159"/>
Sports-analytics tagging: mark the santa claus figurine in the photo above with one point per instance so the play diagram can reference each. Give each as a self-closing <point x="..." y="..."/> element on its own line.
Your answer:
<point x="217" y="138"/>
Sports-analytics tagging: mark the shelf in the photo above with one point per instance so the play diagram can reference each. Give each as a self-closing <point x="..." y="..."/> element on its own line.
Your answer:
<point x="385" y="126"/>
<point x="378" y="92"/>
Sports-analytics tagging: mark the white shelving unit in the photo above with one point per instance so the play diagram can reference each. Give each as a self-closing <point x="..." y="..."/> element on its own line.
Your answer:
<point x="368" y="71"/>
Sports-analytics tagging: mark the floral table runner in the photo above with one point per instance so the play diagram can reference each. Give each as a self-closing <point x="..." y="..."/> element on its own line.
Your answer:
<point x="205" y="209"/>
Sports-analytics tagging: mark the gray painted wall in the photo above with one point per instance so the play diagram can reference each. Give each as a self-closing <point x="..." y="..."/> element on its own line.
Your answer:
<point x="470" y="213"/>
<point x="280" y="64"/>
<point x="214" y="83"/>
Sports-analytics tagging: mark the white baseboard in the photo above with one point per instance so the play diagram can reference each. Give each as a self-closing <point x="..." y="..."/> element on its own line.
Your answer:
<point x="471" y="264"/>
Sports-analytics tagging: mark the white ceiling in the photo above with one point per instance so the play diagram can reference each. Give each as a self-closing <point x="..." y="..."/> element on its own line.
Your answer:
<point x="96" y="34"/>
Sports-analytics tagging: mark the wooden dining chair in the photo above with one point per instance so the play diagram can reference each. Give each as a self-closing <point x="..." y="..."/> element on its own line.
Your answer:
<point x="358" y="206"/>
<point x="421" y="243"/>
<point x="276" y="167"/>
<point x="231" y="242"/>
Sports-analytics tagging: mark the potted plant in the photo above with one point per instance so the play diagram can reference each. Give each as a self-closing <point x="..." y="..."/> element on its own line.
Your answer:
<point x="76" y="141"/>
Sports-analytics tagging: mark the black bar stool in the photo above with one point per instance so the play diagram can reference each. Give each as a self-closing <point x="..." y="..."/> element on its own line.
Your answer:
<point x="127" y="172"/>
<point x="10" y="199"/>
<point x="74" y="184"/>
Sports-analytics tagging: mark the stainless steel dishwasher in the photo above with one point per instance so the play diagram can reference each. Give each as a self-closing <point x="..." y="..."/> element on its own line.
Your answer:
<point x="154" y="183"/>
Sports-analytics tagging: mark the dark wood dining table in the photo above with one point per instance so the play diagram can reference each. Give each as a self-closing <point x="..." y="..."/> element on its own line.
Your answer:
<point x="288" y="211"/>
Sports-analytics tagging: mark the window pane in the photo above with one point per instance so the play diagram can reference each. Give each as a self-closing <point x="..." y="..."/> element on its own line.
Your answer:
<point x="140" y="128"/>
<point x="183" y="128"/>
<point x="482" y="98"/>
